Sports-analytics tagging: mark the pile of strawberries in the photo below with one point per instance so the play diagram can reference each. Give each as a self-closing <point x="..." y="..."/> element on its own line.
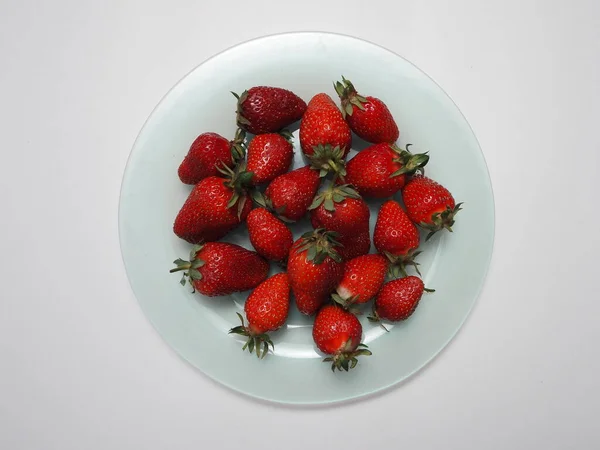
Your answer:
<point x="328" y="269"/>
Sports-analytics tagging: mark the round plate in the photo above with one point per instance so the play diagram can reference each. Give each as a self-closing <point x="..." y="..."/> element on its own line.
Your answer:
<point x="197" y="327"/>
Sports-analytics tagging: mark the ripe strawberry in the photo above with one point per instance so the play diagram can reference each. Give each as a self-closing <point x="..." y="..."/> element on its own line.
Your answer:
<point x="396" y="237"/>
<point x="270" y="237"/>
<point x="314" y="268"/>
<point x="269" y="155"/>
<point x="354" y="245"/>
<point x="266" y="309"/>
<point x="340" y="209"/>
<point x="323" y="124"/>
<point x="429" y="204"/>
<point x="363" y="278"/>
<point x="219" y="268"/>
<point x="214" y="207"/>
<point x="380" y="170"/>
<point x="398" y="299"/>
<point x="338" y="333"/>
<point x="265" y="109"/>
<point x="368" y="117"/>
<point x="291" y="194"/>
<point x="207" y="152"/>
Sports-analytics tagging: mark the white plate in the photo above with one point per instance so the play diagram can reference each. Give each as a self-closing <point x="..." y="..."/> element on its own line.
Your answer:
<point x="196" y="327"/>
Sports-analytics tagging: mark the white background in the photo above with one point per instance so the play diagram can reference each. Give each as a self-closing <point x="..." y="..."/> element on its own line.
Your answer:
<point x="82" y="368"/>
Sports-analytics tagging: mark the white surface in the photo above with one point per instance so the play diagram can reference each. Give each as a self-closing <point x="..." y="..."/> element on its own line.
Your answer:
<point x="81" y="366"/>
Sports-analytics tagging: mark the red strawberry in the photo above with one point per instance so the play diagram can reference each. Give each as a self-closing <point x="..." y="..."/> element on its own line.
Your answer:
<point x="429" y="204"/>
<point x="219" y="268"/>
<point x="270" y="237"/>
<point x="214" y="208"/>
<point x="314" y="268"/>
<point x="380" y="170"/>
<point x="354" y="245"/>
<point x="398" y="299"/>
<point x="363" y="278"/>
<point x="340" y="209"/>
<point x="338" y="333"/>
<point x="396" y="237"/>
<point x="209" y="151"/>
<point x="291" y="194"/>
<point x="323" y="124"/>
<point x="265" y="109"/>
<point x="269" y="155"/>
<point x="266" y="309"/>
<point x="368" y="117"/>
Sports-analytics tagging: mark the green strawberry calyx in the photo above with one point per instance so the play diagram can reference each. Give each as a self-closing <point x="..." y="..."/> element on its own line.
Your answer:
<point x="441" y="220"/>
<point x="411" y="163"/>
<point x="239" y="181"/>
<point x="346" y="358"/>
<point x="327" y="159"/>
<point x="238" y="146"/>
<point x="398" y="263"/>
<point x="347" y="303"/>
<point x="242" y="122"/>
<point x="349" y="97"/>
<point x="332" y="195"/>
<point x="191" y="268"/>
<point x="257" y="342"/>
<point x="320" y="244"/>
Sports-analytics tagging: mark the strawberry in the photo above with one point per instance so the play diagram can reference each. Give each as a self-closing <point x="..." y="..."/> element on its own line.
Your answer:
<point x="266" y="309"/>
<point x="340" y="209"/>
<point x="265" y="109"/>
<point x="338" y="332"/>
<point x="207" y="152"/>
<point x="354" y="245"/>
<point x="396" y="237"/>
<point x="362" y="280"/>
<point x="269" y="155"/>
<point x="398" y="299"/>
<point x="429" y="204"/>
<point x="270" y="237"/>
<point x="291" y="194"/>
<point x="315" y="269"/>
<point x="380" y="170"/>
<point x="214" y="207"/>
<point x="323" y="124"/>
<point x="219" y="268"/>
<point x="368" y="117"/>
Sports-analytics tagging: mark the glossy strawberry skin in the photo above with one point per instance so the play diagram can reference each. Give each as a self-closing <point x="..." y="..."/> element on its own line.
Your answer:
<point x="394" y="232"/>
<point x="371" y="169"/>
<point x="363" y="278"/>
<point x="351" y="216"/>
<point x="270" y="237"/>
<point x="424" y="197"/>
<point x="354" y="245"/>
<point x="374" y="123"/>
<point x="269" y="155"/>
<point x="266" y="109"/>
<point x="312" y="283"/>
<point x="206" y="152"/>
<point x="293" y="192"/>
<point x="324" y="124"/>
<point x="205" y="216"/>
<point x="228" y="268"/>
<point x="268" y="305"/>
<point x="336" y="330"/>
<point x="399" y="298"/>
